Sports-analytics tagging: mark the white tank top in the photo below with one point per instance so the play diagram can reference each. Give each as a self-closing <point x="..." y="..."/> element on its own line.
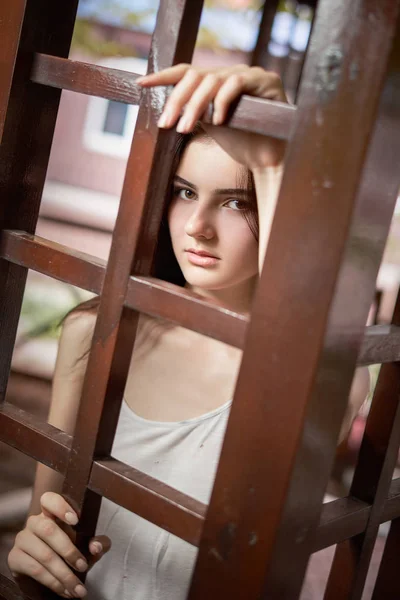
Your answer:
<point x="145" y="561"/>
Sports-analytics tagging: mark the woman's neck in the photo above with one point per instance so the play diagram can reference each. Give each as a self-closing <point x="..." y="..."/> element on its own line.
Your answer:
<point x="237" y="298"/>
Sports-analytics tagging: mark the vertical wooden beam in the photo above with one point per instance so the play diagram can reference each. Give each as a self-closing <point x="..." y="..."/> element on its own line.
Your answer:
<point x="352" y="298"/>
<point x="290" y="364"/>
<point x="378" y="453"/>
<point x="132" y="249"/>
<point x="260" y="53"/>
<point x="25" y="150"/>
<point x="11" y="17"/>
<point x="387" y="586"/>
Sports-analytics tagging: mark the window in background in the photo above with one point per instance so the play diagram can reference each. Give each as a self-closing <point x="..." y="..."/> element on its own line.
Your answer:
<point x="109" y="125"/>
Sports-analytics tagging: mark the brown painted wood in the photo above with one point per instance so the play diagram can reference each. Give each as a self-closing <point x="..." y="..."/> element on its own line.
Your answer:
<point x="387" y="585"/>
<point x="146" y="294"/>
<point x="251" y="114"/>
<point x="86" y="78"/>
<point x="11" y="18"/>
<point x="392" y="505"/>
<point x="266" y="117"/>
<point x="350" y="306"/>
<point x="255" y="515"/>
<point x="55" y="260"/>
<point x="27" y="589"/>
<point x="379" y="449"/>
<point x="25" y="149"/>
<point x="341" y="519"/>
<point x="151" y="499"/>
<point x="132" y="250"/>
<point x="381" y="343"/>
<point x="9" y="590"/>
<point x="284" y="374"/>
<point x="372" y="478"/>
<point x="28" y="434"/>
<point x="175" y="304"/>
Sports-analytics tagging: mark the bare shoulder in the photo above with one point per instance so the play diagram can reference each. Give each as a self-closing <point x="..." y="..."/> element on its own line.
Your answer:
<point x="76" y="335"/>
<point x="70" y="368"/>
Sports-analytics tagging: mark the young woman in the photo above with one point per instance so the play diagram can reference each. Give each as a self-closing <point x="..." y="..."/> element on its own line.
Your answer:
<point x="177" y="398"/>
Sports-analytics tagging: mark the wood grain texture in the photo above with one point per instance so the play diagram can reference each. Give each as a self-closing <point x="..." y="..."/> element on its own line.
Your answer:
<point x="25" y="149"/>
<point x="296" y="373"/>
<point x="249" y="114"/>
<point x="86" y="78"/>
<point x="11" y="18"/>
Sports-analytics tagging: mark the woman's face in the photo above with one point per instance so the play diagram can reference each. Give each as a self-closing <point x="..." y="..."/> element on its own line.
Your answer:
<point x="211" y="238"/>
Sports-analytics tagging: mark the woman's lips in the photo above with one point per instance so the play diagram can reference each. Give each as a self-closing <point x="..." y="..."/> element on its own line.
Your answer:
<point x="201" y="259"/>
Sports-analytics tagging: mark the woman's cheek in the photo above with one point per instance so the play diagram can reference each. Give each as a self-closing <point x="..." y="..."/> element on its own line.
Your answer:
<point x="177" y="218"/>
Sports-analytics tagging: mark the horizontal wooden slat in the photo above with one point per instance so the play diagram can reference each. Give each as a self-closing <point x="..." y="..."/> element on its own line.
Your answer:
<point x="30" y="435"/>
<point x="159" y="503"/>
<point x="151" y="296"/>
<point x="53" y="259"/>
<point x="151" y="499"/>
<point x="381" y="344"/>
<point x="86" y="78"/>
<point x="251" y="114"/>
<point x="341" y="519"/>
<point x="266" y="117"/>
<point x="158" y="298"/>
<point x="173" y="303"/>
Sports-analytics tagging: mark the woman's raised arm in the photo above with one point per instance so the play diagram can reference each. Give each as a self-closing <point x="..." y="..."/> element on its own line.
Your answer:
<point x="194" y="89"/>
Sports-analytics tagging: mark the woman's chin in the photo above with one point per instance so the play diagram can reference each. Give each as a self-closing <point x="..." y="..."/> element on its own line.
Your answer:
<point x="205" y="284"/>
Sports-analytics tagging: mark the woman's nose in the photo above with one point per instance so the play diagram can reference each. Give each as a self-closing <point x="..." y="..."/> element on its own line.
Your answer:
<point x="199" y="224"/>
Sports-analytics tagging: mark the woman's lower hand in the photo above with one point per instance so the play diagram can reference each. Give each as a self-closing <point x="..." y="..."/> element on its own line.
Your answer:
<point x="45" y="552"/>
<point x="195" y="88"/>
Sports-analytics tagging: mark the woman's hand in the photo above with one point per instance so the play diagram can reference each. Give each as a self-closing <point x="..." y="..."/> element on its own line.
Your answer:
<point x="195" y="88"/>
<point x="46" y="553"/>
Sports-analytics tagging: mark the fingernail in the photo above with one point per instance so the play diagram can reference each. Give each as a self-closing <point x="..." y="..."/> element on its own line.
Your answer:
<point x="165" y="120"/>
<point x="81" y="564"/>
<point x="216" y="118"/>
<point x="139" y="79"/>
<point x="66" y="593"/>
<point x="80" y="591"/>
<point x="183" y="125"/>
<point x="96" y="547"/>
<point x="71" y="518"/>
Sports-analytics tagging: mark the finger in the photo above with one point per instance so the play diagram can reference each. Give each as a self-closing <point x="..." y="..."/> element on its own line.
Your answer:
<point x="227" y="93"/>
<point x="54" y="505"/>
<point x="37" y="550"/>
<point x="254" y="81"/>
<point x="179" y="96"/>
<point x="98" y="547"/>
<point x="168" y="76"/>
<point x="27" y="565"/>
<point x="51" y="534"/>
<point x="199" y="101"/>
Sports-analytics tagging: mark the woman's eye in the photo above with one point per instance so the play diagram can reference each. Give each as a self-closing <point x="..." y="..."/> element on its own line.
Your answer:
<point x="237" y="204"/>
<point x="184" y="193"/>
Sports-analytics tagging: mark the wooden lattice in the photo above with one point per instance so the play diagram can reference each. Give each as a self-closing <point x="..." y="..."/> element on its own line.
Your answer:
<point x="306" y="332"/>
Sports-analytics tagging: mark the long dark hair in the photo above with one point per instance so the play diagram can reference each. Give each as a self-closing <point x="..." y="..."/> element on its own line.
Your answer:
<point x="165" y="265"/>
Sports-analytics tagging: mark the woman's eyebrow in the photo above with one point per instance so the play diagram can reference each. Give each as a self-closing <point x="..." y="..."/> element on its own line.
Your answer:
<point x="234" y="191"/>
<point x="217" y="191"/>
<point x="184" y="182"/>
